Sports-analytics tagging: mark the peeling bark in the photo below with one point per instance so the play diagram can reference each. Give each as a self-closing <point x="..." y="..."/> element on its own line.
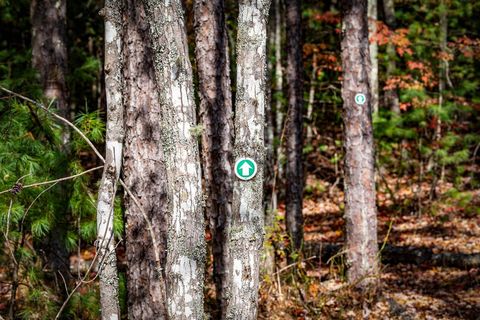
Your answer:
<point x="113" y="161"/>
<point x="294" y="170"/>
<point x="360" y="208"/>
<point x="185" y="259"/>
<point x="216" y="115"/>
<point x="144" y="173"/>
<point x="246" y="234"/>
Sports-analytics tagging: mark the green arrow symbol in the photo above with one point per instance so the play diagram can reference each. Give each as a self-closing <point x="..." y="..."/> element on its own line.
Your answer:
<point x="245" y="167"/>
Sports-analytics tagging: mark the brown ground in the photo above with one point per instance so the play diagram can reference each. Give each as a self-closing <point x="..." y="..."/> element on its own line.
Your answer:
<point x="312" y="290"/>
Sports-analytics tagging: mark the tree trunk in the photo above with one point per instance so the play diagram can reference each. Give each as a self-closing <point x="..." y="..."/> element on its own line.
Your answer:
<point x="49" y="58"/>
<point x="113" y="161"/>
<point x="185" y="227"/>
<point x="49" y="50"/>
<point x="391" y="96"/>
<point x="311" y="98"/>
<point x="360" y="208"/>
<point x="245" y="236"/>
<point x="217" y="135"/>
<point x="144" y="173"/>
<point x="294" y="173"/>
<point x="372" y="30"/>
<point x="278" y="85"/>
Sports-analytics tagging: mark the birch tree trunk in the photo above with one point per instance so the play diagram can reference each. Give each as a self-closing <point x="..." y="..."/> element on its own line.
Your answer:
<point x="49" y="58"/>
<point x="372" y="30"/>
<point x="391" y="96"/>
<point x="217" y="135"/>
<point x="144" y="173"/>
<point x="247" y="227"/>
<point x="294" y="171"/>
<point x="113" y="161"/>
<point x="360" y="208"/>
<point x="185" y="259"/>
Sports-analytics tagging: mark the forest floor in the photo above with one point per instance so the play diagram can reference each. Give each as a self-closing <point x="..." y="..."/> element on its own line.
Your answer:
<point x="312" y="289"/>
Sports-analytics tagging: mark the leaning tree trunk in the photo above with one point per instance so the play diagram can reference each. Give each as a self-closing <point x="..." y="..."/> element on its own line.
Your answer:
<point x="372" y="30"/>
<point x="217" y="135"/>
<point x="391" y="95"/>
<point x="245" y="237"/>
<point x="294" y="173"/>
<point x="360" y="209"/>
<point x="144" y="173"/>
<point x="113" y="161"/>
<point x="185" y="259"/>
<point x="49" y="58"/>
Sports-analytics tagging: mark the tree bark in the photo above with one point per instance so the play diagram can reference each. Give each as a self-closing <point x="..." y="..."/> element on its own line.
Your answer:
<point x="311" y="98"/>
<point x="185" y="227"/>
<point x="49" y="50"/>
<point x="391" y="96"/>
<point x="49" y="58"/>
<point x="246" y="234"/>
<point x="144" y="173"/>
<point x="294" y="170"/>
<point x="360" y="208"/>
<point x="372" y="30"/>
<point x="217" y="135"/>
<point x="113" y="161"/>
<point x="278" y="85"/>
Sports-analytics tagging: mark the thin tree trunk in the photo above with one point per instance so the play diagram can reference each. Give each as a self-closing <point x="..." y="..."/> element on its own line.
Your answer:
<point x="49" y="58"/>
<point x="245" y="237"/>
<point x="311" y="98"/>
<point x="372" y="30"/>
<point x="217" y="135"/>
<point x="270" y="175"/>
<point x="391" y="96"/>
<point x="144" y="173"/>
<point x="294" y="171"/>
<point x="360" y="208"/>
<point x="186" y="233"/>
<point x="278" y="84"/>
<point x="113" y="161"/>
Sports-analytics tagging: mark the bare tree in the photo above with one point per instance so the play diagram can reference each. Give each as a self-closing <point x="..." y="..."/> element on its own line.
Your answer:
<point x="113" y="161"/>
<point x="294" y="173"/>
<point x="360" y="208"/>
<point x="245" y="237"/>
<point x="184" y="270"/>
<point x="144" y="173"/>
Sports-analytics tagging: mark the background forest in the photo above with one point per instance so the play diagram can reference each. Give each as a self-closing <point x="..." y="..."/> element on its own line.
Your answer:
<point x="425" y="82"/>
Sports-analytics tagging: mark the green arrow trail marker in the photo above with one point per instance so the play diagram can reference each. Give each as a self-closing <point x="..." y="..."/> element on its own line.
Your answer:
<point x="360" y="99"/>
<point x="245" y="168"/>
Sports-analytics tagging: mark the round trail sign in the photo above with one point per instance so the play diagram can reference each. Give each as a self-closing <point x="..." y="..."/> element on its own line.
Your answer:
<point x="245" y="168"/>
<point x="360" y="99"/>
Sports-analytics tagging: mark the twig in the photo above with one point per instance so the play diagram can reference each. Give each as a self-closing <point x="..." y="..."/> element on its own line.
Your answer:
<point x="55" y="181"/>
<point x="8" y="218"/>
<point x="31" y="204"/>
